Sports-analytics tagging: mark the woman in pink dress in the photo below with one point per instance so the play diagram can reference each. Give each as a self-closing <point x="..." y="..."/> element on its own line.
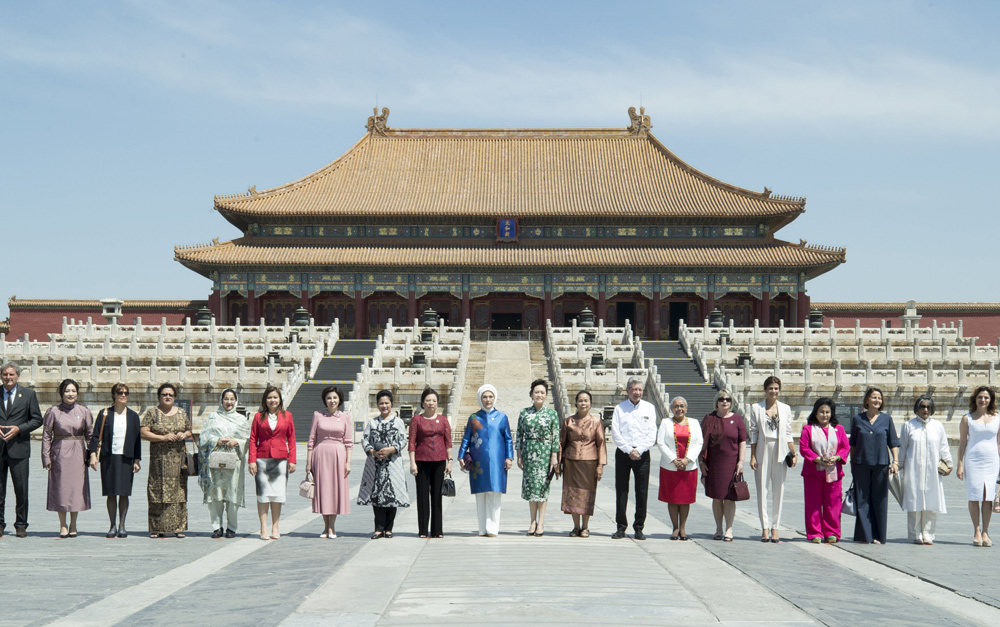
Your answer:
<point x="66" y="431"/>
<point x="329" y="460"/>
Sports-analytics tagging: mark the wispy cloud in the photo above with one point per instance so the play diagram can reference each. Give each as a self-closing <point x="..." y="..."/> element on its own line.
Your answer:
<point x="334" y="60"/>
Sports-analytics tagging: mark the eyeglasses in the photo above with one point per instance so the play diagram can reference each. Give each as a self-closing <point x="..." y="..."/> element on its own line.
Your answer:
<point x="924" y="407"/>
<point x="122" y="392"/>
<point x="725" y="400"/>
<point x="166" y="395"/>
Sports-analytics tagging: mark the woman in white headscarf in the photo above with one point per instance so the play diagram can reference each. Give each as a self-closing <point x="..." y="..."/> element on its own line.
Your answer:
<point x="225" y="430"/>
<point x="924" y="457"/>
<point x="487" y="453"/>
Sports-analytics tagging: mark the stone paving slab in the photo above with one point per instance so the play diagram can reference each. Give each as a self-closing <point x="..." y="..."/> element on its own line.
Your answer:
<point x="512" y="579"/>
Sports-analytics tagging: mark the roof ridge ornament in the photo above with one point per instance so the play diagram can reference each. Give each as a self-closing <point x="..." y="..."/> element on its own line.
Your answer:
<point x="378" y="124"/>
<point x="641" y="123"/>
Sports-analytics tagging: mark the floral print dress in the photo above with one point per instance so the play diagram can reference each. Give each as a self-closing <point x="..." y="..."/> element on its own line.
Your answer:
<point x="537" y="439"/>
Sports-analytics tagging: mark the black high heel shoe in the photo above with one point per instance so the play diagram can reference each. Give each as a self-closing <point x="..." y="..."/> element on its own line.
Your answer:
<point x="112" y="533"/>
<point x="121" y="532"/>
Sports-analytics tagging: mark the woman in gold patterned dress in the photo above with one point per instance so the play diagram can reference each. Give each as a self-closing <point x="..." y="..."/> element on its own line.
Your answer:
<point x="166" y="427"/>
<point x="584" y="456"/>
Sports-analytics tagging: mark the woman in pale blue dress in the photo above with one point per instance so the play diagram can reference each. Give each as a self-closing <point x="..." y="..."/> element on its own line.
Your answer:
<point x="227" y="430"/>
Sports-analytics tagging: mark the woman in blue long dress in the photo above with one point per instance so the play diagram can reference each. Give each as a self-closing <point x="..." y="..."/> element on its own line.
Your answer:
<point x="487" y="453"/>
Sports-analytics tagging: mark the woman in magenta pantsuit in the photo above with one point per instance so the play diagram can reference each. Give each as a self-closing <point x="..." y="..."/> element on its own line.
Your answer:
<point x="329" y="460"/>
<point x="824" y="447"/>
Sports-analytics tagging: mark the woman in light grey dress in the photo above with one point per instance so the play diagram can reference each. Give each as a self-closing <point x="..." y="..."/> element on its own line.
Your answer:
<point x="383" y="485"/>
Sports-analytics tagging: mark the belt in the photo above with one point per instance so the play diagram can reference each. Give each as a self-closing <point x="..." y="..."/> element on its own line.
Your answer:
<point x="68" y="437"/>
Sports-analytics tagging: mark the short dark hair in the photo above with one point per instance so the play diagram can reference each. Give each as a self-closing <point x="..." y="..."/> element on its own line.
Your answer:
<point x="826" y="400"/>
<point x="868" y="395"/>
<point x="771" y="379"/>
<point x="116" y="388"/>
<point x="992" y="407"/>
<point x="583" y="392"/>
<point x="384" y="394"/>
<point x="332" y="388"/>
<point x="536" y="383"/>
<point x="65" y="384"/>
<point x="164" y="386"/>
<point x="924" y="398"/>
<point x="427" y="392"/>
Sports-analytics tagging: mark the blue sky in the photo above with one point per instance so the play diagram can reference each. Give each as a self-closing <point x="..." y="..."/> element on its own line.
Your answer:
<point x="121" y="120"/>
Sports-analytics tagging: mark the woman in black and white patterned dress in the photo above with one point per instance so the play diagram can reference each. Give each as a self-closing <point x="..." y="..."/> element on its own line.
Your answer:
<point x="383" y="485"/>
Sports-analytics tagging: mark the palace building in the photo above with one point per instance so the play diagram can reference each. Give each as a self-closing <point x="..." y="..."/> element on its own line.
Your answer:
<point x="507" y="228"/>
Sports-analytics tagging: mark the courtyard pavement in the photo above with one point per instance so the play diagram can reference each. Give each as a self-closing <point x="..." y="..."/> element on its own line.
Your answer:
<point x="301" y="580"/>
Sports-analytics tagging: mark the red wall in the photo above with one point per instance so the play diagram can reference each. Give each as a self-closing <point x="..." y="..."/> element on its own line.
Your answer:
<point x="38" y="322"/>
<point x="985" y="326"/>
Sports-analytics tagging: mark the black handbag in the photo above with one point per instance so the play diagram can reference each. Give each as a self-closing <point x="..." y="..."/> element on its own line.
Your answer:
<point x="790" y="459"/>
<point x="190" y="459"/>
<point x="448" y="486"/>
<point x="850" y="506"/>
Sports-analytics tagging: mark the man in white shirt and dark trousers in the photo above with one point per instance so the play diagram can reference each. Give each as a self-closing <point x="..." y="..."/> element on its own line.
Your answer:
<point x="633" y="430"/>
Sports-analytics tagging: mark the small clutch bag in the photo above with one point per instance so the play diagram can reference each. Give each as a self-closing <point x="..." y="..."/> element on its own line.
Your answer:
<point x="944" y="467"/>
<point x="790" y="459"/>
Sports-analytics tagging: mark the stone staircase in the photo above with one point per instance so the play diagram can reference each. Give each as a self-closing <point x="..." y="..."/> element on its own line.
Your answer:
<point x="475" y="372"/>
<point x="681" y="377"/>
<point x="340" y="368"/>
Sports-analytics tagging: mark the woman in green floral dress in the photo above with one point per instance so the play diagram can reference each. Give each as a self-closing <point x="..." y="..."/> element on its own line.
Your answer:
<point x="537" y="454"/>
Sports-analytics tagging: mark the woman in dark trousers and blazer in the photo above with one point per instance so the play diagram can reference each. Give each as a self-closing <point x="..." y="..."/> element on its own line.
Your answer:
<point x="873" y="438"/>
<point x="116" y="431"/>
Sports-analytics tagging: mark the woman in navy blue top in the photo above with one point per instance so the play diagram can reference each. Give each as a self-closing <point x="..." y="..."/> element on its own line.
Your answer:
<point x="873" y="437"/>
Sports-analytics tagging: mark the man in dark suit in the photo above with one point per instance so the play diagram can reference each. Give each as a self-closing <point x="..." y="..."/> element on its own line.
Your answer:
<point x="19" y="416"/>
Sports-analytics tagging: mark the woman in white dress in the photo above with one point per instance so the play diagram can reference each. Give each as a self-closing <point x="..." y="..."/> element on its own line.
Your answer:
<point x="923" y="446"/>
<point x="979" y="459"/>
<point x="770" y="434"/>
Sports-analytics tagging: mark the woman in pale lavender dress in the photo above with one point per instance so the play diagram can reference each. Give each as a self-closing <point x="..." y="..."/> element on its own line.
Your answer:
<point x="329" y="460"/>
<point x="66" y="432"/>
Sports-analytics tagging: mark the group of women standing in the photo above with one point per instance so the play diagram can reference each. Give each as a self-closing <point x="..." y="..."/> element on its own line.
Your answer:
<point x="917" y="457"/>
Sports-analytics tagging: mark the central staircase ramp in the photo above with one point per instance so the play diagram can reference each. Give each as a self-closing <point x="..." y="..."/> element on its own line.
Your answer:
<point x="680" y="376"/>
<point x="339" y="368"/>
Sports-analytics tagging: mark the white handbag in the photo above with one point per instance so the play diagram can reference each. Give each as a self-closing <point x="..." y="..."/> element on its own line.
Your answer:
<point x="223" y="459"/>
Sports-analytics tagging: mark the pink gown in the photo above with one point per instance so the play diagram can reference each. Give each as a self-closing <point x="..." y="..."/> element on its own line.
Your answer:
<point x="329" y="439"/>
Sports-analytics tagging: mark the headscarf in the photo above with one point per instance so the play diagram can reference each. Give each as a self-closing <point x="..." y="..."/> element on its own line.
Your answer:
<point x="479" y="395"/>
<point x="228" y="413"/>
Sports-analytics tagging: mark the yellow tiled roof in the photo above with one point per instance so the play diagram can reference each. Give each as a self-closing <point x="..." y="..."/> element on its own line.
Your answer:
<point x="510" y="173"/>
<point x="899" y="307"/>
<point x="777" y="254"/>
<point x="68" y="303"/>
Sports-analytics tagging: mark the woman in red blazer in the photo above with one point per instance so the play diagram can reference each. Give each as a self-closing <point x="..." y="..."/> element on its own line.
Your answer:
<point x="272" y="457"/>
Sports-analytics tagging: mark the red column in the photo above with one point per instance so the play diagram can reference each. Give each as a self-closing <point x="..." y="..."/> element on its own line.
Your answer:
<point x="215" y="306"/>
<point x="411" y="307"/>
<point x="252" y="309"/>
<point x="793" y="313"/>
<point x="803" y="307"/>
<point x="709" y="304"/>
<point x="765" y="309"/>
<point x="466" y="313"/>
<point x="360" y="316"/>
<point x="602" y="307"/>
<point x="654" y="333"/>
<point x="547" y="307"/>
<point x="305" y="302"/>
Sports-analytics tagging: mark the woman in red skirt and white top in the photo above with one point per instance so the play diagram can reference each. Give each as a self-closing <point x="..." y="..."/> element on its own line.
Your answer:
<point x="679" y="441"/>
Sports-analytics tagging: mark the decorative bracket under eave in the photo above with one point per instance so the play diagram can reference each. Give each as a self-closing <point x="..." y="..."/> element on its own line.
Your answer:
<point x="377" y="124"/>
<point x="641" y="122"/>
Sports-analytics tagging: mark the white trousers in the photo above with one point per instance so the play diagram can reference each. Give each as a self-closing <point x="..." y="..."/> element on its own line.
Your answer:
<point x="488" y="508"/>
<point x="770" y="476"/>
<point x="215" y="513"/>
<point x="921" y="525"/>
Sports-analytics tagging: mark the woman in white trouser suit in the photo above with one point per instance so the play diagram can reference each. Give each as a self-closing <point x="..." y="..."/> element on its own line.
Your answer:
<point x="770" y="435"/>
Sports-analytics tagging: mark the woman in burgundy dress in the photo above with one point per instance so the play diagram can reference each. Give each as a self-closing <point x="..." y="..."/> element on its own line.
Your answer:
<point x="721" y="458"/>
